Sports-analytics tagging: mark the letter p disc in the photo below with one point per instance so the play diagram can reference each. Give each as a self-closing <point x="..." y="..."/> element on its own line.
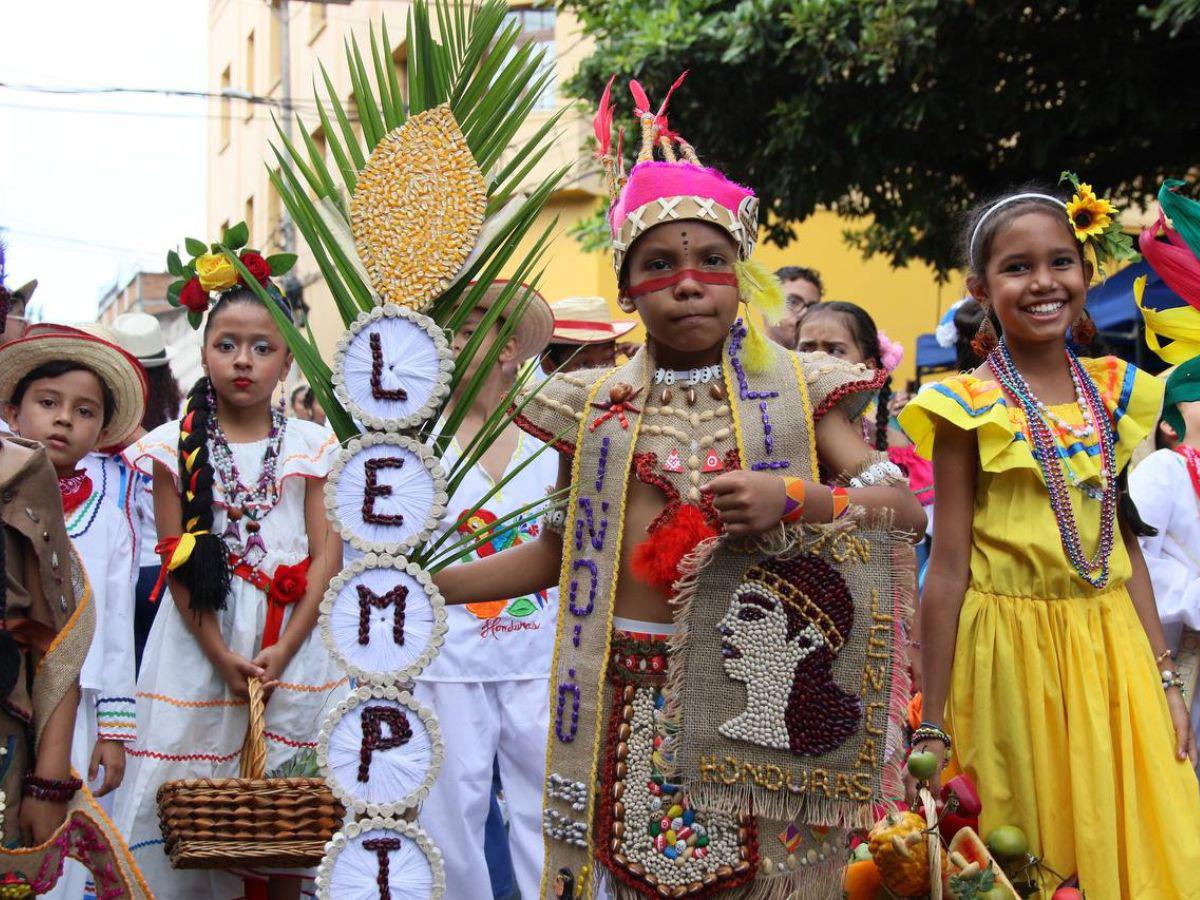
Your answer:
<point x="382" y="750"/>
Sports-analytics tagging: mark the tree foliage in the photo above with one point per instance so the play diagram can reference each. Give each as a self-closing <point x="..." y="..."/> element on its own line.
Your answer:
<point x="905" y="112"/>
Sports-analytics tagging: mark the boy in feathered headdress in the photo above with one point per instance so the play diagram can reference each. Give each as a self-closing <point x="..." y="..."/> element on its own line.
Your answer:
<point x="682" y="463"/>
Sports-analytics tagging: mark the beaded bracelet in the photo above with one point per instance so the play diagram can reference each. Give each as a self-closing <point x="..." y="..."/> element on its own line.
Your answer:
<point x="1175" y="682"/>
<point x="1158" y="660"/>
<point x="793" y="507"/>
<point x="555" y="519"/>
<point x="927" y="731"/>
<point x="841" y="502"/>
<point x="51" y="790"/>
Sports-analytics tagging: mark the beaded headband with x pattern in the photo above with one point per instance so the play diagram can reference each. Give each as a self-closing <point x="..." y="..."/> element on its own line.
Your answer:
<point x="212" y="271"/>
<point x="678" y="188"/>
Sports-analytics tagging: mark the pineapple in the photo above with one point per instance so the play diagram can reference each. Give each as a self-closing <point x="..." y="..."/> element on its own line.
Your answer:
<point x="900" y="851"/>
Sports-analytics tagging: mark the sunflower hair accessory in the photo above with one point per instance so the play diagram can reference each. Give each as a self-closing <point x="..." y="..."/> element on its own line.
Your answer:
<point x="1096" y="223"/>
<point x="213" y="270"/>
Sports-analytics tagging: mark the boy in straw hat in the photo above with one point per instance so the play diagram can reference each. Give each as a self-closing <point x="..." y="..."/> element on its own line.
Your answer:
<point x="488" y="685"/>
<point x="682" y="465"/>
<point x="73" y="393"/>
<point x="585" y="336"/>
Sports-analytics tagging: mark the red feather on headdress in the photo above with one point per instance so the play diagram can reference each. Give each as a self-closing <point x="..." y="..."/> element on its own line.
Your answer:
<point x="641" y="103"/>
<point x="662" y="110"/>
<point x="604" y="119"/>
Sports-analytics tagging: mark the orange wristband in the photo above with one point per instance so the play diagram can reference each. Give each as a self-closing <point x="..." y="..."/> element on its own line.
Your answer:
<point x="793" y="506"/>
<point x="841" y="502"/>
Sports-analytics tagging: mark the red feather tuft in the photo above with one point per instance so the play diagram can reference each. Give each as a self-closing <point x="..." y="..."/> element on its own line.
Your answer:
<point x="603" y="121"/>
<point x="662" y="110"/>
<point x="656" y="559"/>
<point x="641" y="103"/>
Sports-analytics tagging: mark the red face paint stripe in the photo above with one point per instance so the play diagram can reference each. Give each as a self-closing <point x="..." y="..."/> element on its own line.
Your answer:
<point x="658" y="284"/>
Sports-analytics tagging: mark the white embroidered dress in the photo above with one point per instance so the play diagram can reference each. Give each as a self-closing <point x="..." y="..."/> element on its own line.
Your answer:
<point x="189" y="724"/>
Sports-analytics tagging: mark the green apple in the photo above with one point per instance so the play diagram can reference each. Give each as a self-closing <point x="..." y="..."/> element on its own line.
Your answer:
<point x="922" y="764"/>
<point x="1008" y="842"/>
<point x="862" y="852"/>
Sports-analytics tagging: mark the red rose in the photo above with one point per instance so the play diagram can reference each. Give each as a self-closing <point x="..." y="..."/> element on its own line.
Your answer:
<point x="194" y="297"/>
<point x="257" y="266"/>
<point x="289" y="583"/>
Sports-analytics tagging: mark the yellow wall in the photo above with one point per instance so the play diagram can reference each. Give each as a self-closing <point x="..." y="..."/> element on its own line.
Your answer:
<point x="904" y="302"/>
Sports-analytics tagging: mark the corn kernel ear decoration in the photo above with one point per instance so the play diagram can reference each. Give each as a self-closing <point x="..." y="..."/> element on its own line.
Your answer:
<point x="418" y="208"/>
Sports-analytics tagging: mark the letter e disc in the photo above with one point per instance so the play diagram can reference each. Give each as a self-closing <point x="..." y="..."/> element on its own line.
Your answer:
<point x="386" y="493"/>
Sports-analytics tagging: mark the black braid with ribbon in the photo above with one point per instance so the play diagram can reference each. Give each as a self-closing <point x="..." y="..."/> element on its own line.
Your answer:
<point x="205" y="569"/>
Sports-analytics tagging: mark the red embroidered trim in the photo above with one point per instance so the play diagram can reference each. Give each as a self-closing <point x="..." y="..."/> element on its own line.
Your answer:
<point x="546" y="437"/>
<point x="182" y="757"/>
<point x="1192" y="458"/>
<point x="646" y="470"/>
<point x="834" y="397"/>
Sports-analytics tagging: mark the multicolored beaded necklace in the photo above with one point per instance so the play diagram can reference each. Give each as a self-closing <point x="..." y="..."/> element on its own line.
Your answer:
<point x="1093" y="570"/>
<point x="240" y="501"/>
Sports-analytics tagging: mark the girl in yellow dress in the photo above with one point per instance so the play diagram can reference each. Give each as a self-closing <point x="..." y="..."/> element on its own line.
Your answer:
<point x="1041" y="638"/>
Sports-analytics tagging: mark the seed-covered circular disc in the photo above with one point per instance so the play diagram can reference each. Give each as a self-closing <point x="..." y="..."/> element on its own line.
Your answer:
<point x="392" y="368"/>
<point x="383" y="619"/>
<point x="381" y="749"/>
<point x="386" y="493"/>
<point x="367" y="856"/>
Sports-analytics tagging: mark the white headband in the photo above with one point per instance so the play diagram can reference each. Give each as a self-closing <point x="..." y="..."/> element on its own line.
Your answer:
<point x="1000" y="203"/>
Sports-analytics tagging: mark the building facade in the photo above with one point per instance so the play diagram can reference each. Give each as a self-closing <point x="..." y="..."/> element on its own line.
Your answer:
<point x="246" y="40"/>
<point x="147" y="292"/>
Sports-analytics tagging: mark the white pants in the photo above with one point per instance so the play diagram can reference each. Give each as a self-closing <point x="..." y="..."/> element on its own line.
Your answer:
<point x="482" y="722"/>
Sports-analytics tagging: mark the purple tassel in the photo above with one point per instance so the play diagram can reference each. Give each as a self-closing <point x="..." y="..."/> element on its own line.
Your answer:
<point x="233" y="533"/>
<point x="256" y="550"/>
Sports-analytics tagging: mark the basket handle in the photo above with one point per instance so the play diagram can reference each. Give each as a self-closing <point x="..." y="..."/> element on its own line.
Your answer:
<point x="934" y="845"/>
<point x="254" y="749"/>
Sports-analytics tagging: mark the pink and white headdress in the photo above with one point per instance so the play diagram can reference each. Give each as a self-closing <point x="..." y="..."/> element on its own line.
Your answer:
<point x="674" y="188"/>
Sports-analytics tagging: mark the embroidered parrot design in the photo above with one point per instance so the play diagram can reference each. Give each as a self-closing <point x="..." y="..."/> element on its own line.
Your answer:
<point x="521" y="607"/>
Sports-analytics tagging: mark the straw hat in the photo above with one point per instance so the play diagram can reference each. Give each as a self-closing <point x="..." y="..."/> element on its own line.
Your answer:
<point x="140" y="334"/>
<point x="116" y="368"/>
<point x="536" y="325"/>
<point x="586" y="320"/>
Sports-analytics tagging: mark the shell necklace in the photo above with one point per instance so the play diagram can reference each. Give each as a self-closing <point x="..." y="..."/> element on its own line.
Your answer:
<point x="242" y="502"/>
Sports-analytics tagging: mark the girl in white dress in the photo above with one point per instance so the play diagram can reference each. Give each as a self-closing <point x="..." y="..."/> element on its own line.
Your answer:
<point x="248" y="554"/>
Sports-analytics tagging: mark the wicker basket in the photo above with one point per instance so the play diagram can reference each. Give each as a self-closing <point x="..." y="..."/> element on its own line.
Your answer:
<point x="249" y="821"/>
<point x="934" y="844"/>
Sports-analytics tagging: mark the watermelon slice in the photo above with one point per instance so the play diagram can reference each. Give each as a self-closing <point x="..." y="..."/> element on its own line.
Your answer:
<point x="968" y="845"/>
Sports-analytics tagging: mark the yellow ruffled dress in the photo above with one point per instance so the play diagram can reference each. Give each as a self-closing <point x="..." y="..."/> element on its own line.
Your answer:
<point x="1055" y="704"/>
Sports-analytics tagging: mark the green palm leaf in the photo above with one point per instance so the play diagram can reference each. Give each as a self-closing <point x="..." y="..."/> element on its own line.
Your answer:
<point x="470" y="56"/>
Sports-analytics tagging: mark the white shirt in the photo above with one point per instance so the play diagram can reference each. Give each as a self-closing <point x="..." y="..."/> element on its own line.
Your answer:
<point x="509" y="639"/>
<point x="103" y="539"/>
<point x="1166" y="500"/>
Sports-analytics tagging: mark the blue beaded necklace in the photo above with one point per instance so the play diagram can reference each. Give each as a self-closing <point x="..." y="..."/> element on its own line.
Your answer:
<point x="1094" y="570"/>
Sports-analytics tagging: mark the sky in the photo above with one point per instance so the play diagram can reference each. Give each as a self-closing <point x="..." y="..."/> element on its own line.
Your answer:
<point x="94" y="187"/>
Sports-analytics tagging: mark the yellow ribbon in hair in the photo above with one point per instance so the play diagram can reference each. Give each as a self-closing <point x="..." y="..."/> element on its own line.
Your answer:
<point x="1181" y="326"/>
<point x="761" y="290"/>
<point x="180" y="548"/>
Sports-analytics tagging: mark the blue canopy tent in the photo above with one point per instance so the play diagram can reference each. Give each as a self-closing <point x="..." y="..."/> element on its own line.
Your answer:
<point x="1118" y="322"/>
